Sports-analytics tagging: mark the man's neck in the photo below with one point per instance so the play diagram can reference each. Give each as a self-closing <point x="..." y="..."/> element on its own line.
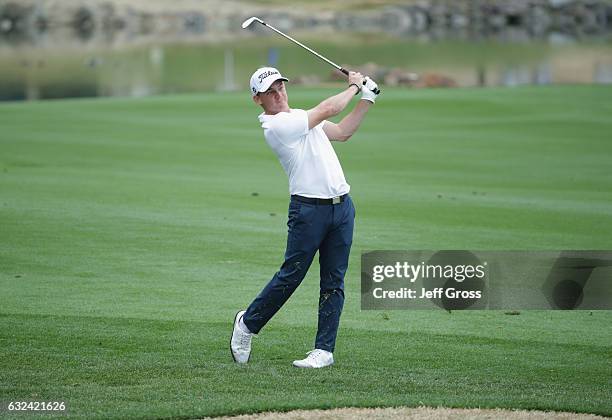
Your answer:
<point x="274" y="113"/>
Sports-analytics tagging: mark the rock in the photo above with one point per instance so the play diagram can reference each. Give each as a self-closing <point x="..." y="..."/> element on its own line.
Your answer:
<point x="306" y="80"/>
<point x="400" y="77"/>
<point x="433" y="80"/>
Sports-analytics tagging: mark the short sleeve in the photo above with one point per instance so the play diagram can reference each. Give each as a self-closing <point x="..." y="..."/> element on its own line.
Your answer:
<point x="288" y="126"/>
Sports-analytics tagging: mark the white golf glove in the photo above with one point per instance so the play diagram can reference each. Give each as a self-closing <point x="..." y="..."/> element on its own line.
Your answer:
<point x="370" y="91"/>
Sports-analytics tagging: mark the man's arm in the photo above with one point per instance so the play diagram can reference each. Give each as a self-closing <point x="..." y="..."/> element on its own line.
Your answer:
<point x="335" y="104"/>
<point x="349" y="124"/>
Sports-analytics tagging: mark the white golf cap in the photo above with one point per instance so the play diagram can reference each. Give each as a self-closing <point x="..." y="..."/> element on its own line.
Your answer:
<point x="263" y="78"/>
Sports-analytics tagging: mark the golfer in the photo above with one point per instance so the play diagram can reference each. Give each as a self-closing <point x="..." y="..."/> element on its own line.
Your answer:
<point x="321" y="213"/>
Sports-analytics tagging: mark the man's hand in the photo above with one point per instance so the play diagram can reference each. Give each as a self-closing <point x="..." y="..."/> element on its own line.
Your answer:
<point x="356" y="78"/>
<point x="368" y="90"/>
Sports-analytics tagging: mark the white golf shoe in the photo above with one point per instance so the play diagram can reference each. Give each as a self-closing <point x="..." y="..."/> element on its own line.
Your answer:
<point x="240" y="344"/>
<point x="316" y="358"/>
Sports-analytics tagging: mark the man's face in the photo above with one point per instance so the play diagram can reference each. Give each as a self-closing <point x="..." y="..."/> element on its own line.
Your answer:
<point x="273" y="100"/>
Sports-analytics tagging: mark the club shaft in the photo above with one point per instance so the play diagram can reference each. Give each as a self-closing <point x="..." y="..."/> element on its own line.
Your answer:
<point x="308" y="49"/>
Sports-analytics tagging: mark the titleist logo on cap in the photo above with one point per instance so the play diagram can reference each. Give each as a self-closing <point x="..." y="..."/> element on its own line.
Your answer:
<point x="266" y="74"/>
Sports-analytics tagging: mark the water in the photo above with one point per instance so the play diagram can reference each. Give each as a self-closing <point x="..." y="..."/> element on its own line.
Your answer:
<point x="81" y="69"/>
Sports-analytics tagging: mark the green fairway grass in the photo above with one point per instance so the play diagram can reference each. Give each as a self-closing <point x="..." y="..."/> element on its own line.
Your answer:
<point x="132" y="230"/>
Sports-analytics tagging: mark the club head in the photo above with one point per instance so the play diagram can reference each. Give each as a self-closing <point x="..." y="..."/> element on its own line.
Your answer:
<point x="250" y="20"/>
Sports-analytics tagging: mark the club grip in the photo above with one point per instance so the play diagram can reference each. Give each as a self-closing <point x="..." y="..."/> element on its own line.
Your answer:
<point x="345" y="71"/>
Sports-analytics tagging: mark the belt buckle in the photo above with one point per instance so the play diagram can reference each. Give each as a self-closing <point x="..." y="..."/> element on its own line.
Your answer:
<point x="336" y="200"/>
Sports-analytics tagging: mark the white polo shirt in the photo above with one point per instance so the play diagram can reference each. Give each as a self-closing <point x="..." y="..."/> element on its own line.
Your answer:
<point x="307" y="156"/>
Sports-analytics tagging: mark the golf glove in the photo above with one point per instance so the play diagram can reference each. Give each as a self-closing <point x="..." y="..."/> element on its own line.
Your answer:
<point x="370" y="91"/>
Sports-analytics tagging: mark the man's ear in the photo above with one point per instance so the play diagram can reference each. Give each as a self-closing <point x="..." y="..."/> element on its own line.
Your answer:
<point x="257" y="99"/>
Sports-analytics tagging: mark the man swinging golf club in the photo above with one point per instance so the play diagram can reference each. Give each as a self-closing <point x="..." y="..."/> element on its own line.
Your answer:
<point x="321" y="212"/>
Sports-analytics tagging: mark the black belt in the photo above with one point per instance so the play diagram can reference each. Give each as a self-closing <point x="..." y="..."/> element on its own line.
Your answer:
<point x="309" y="200"/>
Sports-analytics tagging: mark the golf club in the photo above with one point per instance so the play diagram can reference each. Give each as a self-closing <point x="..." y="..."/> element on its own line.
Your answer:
<point x="252" y="19"/>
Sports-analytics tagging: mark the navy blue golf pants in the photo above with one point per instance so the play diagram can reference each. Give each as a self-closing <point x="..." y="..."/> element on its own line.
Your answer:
<point x="327" y="228"/>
